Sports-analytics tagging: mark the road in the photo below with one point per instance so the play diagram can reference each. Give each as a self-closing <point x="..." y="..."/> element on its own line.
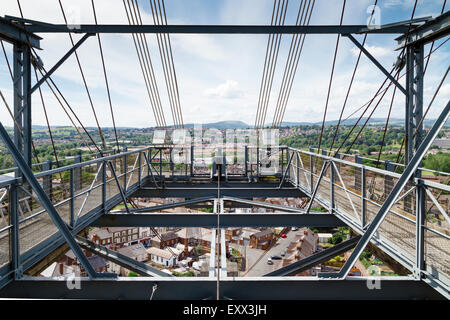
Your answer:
<point x="260" y="268"/>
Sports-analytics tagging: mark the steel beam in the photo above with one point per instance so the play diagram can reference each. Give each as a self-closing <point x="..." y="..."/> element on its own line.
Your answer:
<point x="120" y="259"/>
<point x="315" y="259"/>
<point x="212" y="29"/>
<point x="267" y="288"/>
<point x="170" y="205"/>
<point x="237" y="190"/>
<point x="387" y="205"/>
<point x="429" y="31"/>
<point x="17" y="35"/>
<point x="227" y="220"/>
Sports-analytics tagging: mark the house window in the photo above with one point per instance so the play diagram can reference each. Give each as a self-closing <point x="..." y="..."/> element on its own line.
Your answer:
<point x="135" y="231"/>
<point x="144" y="234"/>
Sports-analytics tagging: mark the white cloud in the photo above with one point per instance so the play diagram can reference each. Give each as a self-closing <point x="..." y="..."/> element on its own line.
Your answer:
<point x="377" y="52"/>
<point x="228" y="90"/>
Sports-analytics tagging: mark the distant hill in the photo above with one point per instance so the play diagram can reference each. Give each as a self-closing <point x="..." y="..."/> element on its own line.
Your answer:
<point x="243" y="125"/>
<point x="372" y="121"/>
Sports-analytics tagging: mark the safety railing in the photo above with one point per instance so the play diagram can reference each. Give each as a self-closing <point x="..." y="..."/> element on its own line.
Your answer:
<point x="76" y="190"/>
<point x="416" y="229"/>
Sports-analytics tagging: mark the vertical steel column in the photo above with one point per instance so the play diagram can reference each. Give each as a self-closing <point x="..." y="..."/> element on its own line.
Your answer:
<point x="125" y="169"/>
<point x="246" y="160"/>
<point x="47" y="180"/>
<point x="22" y="101"/>
<point x="192" y="160"/>
<point x="420" y="231"/>
<point x="72" y="200"/>
<point x="298" y="168"/>
<point x="363" y="197"/>
<point x="311" y="168"/>
<point x="77" y="173"/>
<point x="332" y="173"/>
<point x="14" y="221"/>
<point x="414" y="101"/>
<point x="104" y="191"/>
<point x="358" y="160"/>
<point x="139" y="168"/>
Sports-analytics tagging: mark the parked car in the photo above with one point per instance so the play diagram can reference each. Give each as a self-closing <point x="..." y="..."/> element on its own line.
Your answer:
<point x="283" y="235"/>
<point x="283" y="253"/>
<point x="269" y="261"/>
<point x="294" y="229"/>
<point x="275" y="257"/>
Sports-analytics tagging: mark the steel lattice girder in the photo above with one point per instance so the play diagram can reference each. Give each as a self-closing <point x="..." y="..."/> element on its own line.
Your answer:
<point x="267" y="288"/>
<point x="227" y="220"/>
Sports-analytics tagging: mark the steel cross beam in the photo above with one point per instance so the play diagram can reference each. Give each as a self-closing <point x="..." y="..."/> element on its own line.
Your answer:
<point x="375" y="61"/>
<point x="38" y="27"/>
<point x="247" y="288"/>
<point x="61" y="61"/>
<point x="392" y="197"/>
<point x="16" y="34"/>
<point x="227" y="220"/>
<point x="170" y="205"/>
<point x="47" y="204"/>
<point x="430" y="31"/>
<point x="120" y="259"/>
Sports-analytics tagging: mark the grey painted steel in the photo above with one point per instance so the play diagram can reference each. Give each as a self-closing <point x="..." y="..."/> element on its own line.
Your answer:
<point x="420" y="232"/>
<point x="61" y="61"/>
<point x="375" y="61"/>
<point x="217" y="29"/>
<point x="22" y="102"/>
<point x="414" y="101"/>
<point x="315" y="259"/>
<point x="46" y="203"/>
<point x="429" y="31"/>
<point x="120" y="259"/>
<point x="227" y="220"/>
<point x="287" y="169"/>
<point x="17" y="35"/>
<point x="387" y="205"/>
<point x="277" y="288"/>
<point x="313" y="196"/>
<point x="238" y="190"/>
<point x="171" y="205"/>
<point x="121" y="192"/>
<point x="266" y="205"/>
<point x="14" y="241"/>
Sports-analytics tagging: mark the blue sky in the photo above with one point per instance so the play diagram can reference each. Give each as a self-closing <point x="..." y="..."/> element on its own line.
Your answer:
<point x="219" y="75"/>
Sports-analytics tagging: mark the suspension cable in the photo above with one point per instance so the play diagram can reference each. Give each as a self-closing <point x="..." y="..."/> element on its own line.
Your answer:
<point x="351" y="82"/>
<point x="293" y="69"/>
<point x="84" y="80"/>
<point x="106" y="80"/>
<point x="160" y="18"/>
<point x="272" y="65"/>
<point x="331" y="78"/>
<point x="141" y="45"/>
